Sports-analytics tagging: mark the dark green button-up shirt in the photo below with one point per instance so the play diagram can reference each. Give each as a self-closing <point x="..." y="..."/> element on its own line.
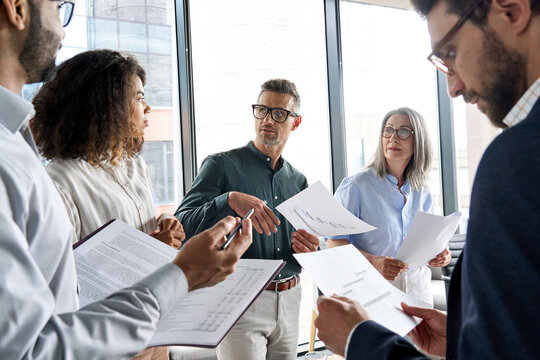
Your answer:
<point x="246" y="170"/>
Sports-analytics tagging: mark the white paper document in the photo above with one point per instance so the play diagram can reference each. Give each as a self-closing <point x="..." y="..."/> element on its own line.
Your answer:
<point x="344" y="271"/>
<point x="427" y="237"/>
<point x="315" y="210"/>
<point x="118" y="255"/>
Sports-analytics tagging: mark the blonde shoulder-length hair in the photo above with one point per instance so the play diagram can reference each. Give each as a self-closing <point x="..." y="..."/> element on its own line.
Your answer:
<point x="417" y="170"/>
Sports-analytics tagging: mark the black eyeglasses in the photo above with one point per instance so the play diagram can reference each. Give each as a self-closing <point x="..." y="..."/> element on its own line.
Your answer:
<point x="435" y="57"/>
<point x="65" y="10"/>
<point x="279" y="115"/>
<point x="403" y="133"/>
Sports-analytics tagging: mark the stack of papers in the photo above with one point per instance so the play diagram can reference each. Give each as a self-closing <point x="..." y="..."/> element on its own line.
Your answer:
<point x="117" y="256"/>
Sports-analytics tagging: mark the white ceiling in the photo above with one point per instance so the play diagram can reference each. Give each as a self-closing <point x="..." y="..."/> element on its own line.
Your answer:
<point x="400" y="4"/>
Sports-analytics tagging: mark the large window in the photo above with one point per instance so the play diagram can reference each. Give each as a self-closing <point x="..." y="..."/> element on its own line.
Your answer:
<point x="143" y="28"/>
<point x="236" y="46"/>
<point x="472" y="133"/>
<point x="385" y="67"/>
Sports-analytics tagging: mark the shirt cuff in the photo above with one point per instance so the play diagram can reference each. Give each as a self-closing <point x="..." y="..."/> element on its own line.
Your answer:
<point x="350" y="337"/>
<point x="222" y="206"/>
<point x="168" y="284"/>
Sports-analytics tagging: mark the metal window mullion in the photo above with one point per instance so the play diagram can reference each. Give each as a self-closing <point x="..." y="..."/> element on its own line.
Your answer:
<point x="338" y="155"/>
<point x="185" y="93"/>
<point x="447" y="147"/>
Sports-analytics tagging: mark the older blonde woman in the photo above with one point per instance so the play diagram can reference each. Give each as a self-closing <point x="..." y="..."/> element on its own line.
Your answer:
<point x="388" y="194"/>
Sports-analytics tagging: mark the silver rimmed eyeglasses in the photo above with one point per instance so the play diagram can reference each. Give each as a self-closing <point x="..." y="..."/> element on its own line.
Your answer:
<point x="403" y="133"/>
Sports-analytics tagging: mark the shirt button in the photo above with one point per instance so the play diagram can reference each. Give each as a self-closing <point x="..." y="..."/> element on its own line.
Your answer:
<point x="267" y="159"/>
<point x="275" y="197"/>
<point x="279" y="275"/>
<point x="277" y="249"/>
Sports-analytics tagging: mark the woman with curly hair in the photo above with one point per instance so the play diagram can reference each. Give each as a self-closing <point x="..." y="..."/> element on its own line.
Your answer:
<point x="89" y="122"/>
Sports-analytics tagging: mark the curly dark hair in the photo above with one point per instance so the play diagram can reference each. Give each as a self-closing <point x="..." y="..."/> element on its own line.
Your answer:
<point x="84" y="111"/>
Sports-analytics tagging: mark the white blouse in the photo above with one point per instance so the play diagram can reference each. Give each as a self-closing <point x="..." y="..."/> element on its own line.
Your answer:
<point x="94" y="195"/>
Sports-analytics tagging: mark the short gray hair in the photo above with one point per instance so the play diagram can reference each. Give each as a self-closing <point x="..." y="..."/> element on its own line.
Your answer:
<point x="417" y="170"/>
<point x="282" y="86"/>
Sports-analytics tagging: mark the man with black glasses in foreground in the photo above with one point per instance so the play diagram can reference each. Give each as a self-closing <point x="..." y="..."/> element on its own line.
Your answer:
<point x="257" y="177"/>
<point x="490" y="52"/>
<point x="39" y="310"/>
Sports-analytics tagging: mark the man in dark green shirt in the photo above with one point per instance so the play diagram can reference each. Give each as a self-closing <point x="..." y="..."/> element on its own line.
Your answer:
<point x="257" y="177"/>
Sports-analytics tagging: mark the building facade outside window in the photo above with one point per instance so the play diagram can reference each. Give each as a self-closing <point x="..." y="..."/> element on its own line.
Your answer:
<point x="145" y="29"/>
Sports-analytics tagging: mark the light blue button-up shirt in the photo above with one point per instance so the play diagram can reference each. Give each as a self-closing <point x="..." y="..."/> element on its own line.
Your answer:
<point x="379" y="203"/>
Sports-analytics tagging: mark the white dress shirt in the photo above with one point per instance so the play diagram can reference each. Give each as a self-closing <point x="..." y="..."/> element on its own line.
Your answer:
<point x="94" y="195"/>
<point x="38" y="312"/>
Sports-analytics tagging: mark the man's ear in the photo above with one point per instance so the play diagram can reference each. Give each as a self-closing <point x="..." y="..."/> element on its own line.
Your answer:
<point x="515" y="14"/>
<point x="16" y="12"/>
<point x="297" y="122"/>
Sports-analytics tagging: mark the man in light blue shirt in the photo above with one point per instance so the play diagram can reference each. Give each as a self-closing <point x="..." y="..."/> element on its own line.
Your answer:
<point x="39" y="315"/>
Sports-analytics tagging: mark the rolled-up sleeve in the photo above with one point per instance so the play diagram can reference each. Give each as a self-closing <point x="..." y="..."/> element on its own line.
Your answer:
<point x="207" y="201"/>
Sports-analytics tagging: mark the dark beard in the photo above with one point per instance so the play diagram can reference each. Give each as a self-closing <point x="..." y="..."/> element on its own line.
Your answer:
<point x="38" y="56"/>
<point x="504" y="80"/>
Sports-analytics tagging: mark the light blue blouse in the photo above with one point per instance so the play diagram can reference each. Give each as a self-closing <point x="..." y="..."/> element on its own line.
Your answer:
<point x="379" y="203"/>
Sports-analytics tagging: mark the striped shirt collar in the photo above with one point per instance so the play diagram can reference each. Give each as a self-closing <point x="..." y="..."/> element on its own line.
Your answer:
<point x="524" y="106"/>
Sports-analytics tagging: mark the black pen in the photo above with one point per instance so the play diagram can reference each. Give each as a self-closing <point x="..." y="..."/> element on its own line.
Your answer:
<point x="235" y="230"/>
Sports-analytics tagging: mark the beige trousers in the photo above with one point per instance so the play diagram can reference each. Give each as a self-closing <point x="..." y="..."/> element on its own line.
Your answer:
<point x="153" y="353"/>
<point x="267" y="331"/>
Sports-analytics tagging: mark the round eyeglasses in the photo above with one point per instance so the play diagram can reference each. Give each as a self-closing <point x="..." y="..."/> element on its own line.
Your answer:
<point x="403" y="133"/>
<point x="279" y="115"/>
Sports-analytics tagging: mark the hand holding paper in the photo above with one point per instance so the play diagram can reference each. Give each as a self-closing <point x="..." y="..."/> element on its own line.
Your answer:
<point x="442" y="259"/>
<point x="430" y="334"/>
<point x="346" y="272"/>
<point x="427" y="237"/>
<point x="317" y="211"/>
<point x="116" y="256"/>
<point x="337" y="317"/>
<point x="302" y="241"/>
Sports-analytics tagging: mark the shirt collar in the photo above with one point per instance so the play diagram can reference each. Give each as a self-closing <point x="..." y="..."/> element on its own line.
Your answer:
<point x="15" y="112"/>
<point x="404" y="188"/>
<point x="267" y="159"/>
<point x="524" y="106"/>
